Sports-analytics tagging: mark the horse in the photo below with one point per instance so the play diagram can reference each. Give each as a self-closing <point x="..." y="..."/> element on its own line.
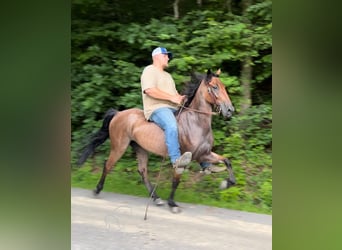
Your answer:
<point x="129" y="127"/>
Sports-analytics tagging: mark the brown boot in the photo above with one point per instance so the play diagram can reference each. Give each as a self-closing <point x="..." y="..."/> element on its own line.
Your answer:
<point x="213" y="169"/>
<point x="182" y="162"/>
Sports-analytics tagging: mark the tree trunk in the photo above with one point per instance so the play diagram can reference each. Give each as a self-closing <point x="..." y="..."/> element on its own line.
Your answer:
<point x="176" y="9"/>
<point x="228" y="6"/>
<point x="245" y="5"/>
<point x="199" y="3"/>
<point x="246" y="78"/>
<point x="246" y="70"/>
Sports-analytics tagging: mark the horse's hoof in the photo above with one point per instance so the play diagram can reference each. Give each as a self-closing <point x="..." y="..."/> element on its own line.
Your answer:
<point x="159" y="202"/>
<point x="175" y="210"/>
<point x="95" y="192"/>
<point x="231" y="181"/>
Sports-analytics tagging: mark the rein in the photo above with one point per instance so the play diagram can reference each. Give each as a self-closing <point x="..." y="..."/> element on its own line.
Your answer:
<point x="197" y="111"/>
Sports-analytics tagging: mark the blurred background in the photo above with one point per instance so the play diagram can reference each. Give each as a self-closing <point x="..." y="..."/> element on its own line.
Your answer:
<point x="111" y="43"/>
<point x="39" y="58"/>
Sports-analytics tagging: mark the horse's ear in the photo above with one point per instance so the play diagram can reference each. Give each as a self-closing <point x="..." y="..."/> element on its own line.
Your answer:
<point x="208" y="76"/>
<point x="218" y="72"/>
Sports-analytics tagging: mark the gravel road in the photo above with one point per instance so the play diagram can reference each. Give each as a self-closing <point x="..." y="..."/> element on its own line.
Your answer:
<point x="116" y="221"/>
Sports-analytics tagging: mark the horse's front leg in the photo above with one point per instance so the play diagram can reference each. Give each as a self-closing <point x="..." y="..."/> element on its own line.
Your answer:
<point x="175" y="182"/>
<point x="230" y="181"/>
<point x="215" y="158"/>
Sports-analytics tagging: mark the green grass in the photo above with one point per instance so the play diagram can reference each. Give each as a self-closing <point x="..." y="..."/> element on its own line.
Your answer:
<point x="194" y="187"/>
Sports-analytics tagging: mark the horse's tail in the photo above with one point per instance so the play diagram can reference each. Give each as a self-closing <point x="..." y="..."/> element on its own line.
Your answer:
<point x="99" y="137"/>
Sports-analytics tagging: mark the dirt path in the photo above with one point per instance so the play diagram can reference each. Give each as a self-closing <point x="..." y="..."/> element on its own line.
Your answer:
<point x="115" y="221"/>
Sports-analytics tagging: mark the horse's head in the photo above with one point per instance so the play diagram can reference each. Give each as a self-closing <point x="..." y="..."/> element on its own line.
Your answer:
<point x="217" y="94"/>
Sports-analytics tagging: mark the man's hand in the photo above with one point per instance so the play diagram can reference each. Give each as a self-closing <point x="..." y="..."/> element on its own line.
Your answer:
<point x="178" y="99"/>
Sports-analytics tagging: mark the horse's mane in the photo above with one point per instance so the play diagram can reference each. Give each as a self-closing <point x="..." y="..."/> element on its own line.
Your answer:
<point x="191" y="87"/>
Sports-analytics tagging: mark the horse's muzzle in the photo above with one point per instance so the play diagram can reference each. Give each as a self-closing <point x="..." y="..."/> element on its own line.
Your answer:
<point x="227" y="110"/>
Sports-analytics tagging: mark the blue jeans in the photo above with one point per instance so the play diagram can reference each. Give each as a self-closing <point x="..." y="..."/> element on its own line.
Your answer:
<point x="205" y="164"/>
<point x="165" y="118"/>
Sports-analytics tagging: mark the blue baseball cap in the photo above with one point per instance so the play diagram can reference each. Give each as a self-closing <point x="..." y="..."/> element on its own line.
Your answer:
<point x="161" y="50"/>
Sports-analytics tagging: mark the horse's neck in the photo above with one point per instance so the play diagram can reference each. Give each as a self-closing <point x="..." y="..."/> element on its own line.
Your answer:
<point x="202" y="106"/>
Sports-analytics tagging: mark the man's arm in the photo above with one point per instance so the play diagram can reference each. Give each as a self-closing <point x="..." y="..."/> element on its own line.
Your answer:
<point x="158" y="94"/>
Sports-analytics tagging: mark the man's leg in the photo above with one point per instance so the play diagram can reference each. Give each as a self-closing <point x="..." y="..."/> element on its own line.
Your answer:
<point x="165" y="118"/>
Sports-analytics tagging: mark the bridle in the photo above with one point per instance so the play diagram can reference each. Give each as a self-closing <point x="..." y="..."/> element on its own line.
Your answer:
<point x="213" y="95"/>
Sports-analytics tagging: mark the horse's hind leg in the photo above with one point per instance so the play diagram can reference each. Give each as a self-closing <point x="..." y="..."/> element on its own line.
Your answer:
<point x="142" y="157"/>
<point x="116" y="153"/>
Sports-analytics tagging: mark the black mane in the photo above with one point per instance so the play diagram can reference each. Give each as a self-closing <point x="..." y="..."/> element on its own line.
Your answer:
<point x="191" y="87"/>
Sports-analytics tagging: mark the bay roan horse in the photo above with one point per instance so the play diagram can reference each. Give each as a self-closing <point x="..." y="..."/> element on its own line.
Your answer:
<point x="129" y="127"/>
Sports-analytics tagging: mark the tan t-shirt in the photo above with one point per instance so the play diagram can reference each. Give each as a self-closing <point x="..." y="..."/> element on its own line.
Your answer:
<point x="153" y="77"/>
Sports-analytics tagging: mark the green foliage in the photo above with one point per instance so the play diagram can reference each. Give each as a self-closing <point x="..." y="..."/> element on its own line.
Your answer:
<point x="112" y="43"/>
<point x="232" y="193"/>
<point x="250" y="144"/>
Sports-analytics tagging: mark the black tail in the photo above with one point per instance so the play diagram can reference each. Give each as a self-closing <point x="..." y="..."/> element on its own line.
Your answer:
<point x="98" y="138"/>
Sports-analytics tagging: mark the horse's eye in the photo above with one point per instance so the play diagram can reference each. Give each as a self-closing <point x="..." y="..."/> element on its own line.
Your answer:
<point x="215" y="87"/>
